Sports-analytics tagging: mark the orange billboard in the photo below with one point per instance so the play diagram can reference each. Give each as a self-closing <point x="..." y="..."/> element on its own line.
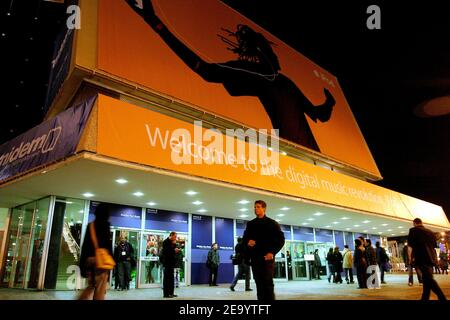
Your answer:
<point x="207" y="55"/>
<point x="130" y="133"/>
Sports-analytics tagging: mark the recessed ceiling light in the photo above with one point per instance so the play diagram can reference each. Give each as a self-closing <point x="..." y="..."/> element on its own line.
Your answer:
<point x="374" y="228"/>
<point x="191" y="193"/>
<point x="366" y="231"/>
<point x="347" y="228"/>
<point x="400" y="227"/>
<point x="327" y="227"/>
<point x="243" y="215"/>
<point x="151" y="203"/>
<point x="243" y="209"/>
<point x="379" y="232"/>
<point x="277" y="220"/>
<point x="305" y="223"/>
<point x="319" y="214"/>
<point x="405" y="232"/>
<point x="356" y="225"/>
<point x="285" y="208"/>
<point x="385" y="224"/>
<point x="392" y="234"/>
<point x="202" y="210"/>
<point x="389" y="230"/>
<point x="69" y="202"/>
<point x="280" y="215"/>
<point x="345" y="218"/>
<point x="121" y="181"/>
<point x="88" y="195"/>
<point x="244" y="202"/>
<point x="138" y="194"/>
<point x="336" y="222"/>
<point x="366" y="221"/>
<point x="197" y="203"/>
<point x="310" y="219"/>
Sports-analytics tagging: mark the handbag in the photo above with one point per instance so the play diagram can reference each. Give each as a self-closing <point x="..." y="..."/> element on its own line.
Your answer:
<point x="103" y="260"/>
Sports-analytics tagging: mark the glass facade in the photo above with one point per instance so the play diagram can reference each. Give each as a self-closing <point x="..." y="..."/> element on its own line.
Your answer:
<point x="24" y="249"/>
<point x="28" y="245"/>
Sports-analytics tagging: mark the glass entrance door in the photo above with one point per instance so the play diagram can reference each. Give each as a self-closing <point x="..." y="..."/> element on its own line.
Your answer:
<point x="280" y="264"/>
<point x="322" y="250"/>
<point x="150" y="268"/>
<point x="297" y="266"/>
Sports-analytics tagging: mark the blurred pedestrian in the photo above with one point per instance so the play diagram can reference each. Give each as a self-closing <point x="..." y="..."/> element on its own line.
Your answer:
<point x="423" y="244"/>
<point x="360" y="263"/>
<point x="213" y="262"/>
<point x="243" y="266"/>
<point x="348" y="264"/>
<point x="317" y="264"/>
<point x="167" y="256"/>
<point x="382" y="259"/>
<point x="97" y="235"/>
<point x="330" y="262"/>
<point x="337" y="265"/>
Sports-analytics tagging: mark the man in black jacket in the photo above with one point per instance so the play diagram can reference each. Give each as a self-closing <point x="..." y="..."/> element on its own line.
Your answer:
<point x="423" y="244"/>
<point x="263" y="239"/>
<point x="169" y="251"/>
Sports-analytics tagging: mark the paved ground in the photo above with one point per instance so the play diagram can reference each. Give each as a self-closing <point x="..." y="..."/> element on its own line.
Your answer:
<point x="395" y="289"/>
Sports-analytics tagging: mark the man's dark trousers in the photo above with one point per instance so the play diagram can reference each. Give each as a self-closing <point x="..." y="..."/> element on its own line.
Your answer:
<point x="263" y="274"/>
<point x="168" y="281"/>
<point x="429" y="284"/>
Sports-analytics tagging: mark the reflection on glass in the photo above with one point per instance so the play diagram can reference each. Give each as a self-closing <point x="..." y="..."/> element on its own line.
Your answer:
<point x="70" y="239"/>
<point x="280" y="264"/>
<point x="299" y="263"/>
<point x="37" y="242"/>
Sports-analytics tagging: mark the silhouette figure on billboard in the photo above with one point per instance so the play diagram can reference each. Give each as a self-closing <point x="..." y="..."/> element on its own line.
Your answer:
<point x="256" y="72"/>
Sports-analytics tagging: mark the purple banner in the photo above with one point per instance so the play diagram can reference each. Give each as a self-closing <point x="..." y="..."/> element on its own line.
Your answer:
<point x="286" y="230"/>
<point x="156" y="219"/>
<point x="324" y="235"/>
<point x="241" y="225"/>
<point x="303" y="233"/>
<point x="339" y="239"/>
<point x="52" y="140"/>
<point x="201" y="243"/>
<point x="224" y="234"/>
<point x="120" y="216"/>
<point x="349" y="240"/>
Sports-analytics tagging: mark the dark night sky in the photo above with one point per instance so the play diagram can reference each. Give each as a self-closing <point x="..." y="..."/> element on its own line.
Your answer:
<point x="385" y="74"/>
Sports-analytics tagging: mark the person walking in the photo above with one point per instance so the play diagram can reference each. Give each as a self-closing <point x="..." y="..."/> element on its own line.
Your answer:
<point x="443" y="262"/>
<point x="213" y="262"/>
<point x="348" y="264"/>
<point x="262" y="240"/>
<point x="330" y="261"/>
<point x="169" y="251"/>
<point x="423" y="244"/>
<point x="382" y="259"/>
<point x="407" y="253"/>
<point x="243" y="266"/>
<point x="97" y="235"/>
<point x="317" y="264"/>
<point x="337" y="265"/>
<point x="360" y="263"/>
<point x="371" y="257"/>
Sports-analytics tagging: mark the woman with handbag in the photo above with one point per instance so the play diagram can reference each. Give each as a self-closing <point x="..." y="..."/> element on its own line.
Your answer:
<point x="96" y="255"/>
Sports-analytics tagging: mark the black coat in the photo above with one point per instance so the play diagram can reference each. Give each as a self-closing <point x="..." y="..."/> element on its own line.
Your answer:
<point x="169" y="253"/>
<point x="267" y="235"/>
<point x="423" y="244"/>
<point x="359" y="259"/>
<point x="102" y="230"/>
